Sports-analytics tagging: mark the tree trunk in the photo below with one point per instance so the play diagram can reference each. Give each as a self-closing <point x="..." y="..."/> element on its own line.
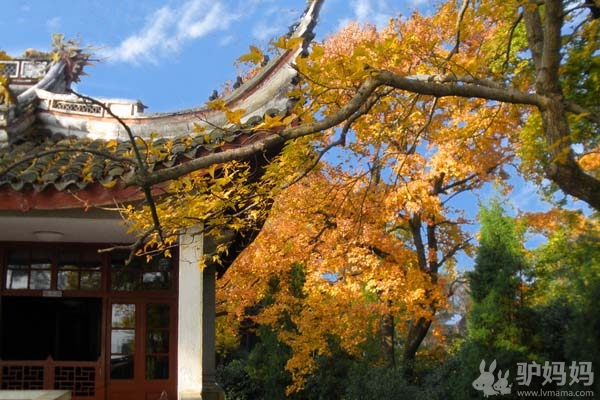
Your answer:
<point x="545" y="43"/>
<point x="416" y="334"/>
<point x="387" y="341"/>
<point x="418" y="330"/>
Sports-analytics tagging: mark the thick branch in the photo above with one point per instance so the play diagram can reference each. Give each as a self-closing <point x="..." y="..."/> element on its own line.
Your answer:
<point x="415" y="229"/>
<point x="433" y="87"/>
<point x="379" y="78"/>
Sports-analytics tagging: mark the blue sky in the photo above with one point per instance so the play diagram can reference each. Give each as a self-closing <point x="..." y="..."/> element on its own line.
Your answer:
<point x="171" y="54"/>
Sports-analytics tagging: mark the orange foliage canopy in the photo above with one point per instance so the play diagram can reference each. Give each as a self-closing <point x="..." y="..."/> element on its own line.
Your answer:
<point x="375" y="229"/>
<point x="355" y="270"/>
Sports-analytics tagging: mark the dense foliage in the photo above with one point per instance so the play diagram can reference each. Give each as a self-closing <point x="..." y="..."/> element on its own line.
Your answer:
<point x="418" y="117"/>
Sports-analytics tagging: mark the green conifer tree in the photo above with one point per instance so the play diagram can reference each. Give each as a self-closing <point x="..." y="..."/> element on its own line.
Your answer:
<point x="494" y="326"/>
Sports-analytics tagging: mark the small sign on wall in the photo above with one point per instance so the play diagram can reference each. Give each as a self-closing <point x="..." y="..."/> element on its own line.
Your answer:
<point x="52" y="293"/>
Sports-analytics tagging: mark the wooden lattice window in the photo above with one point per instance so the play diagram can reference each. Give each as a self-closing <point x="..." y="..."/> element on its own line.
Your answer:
<point x="22" y="377"/>
<point x="9" y="68"/>
<point x="139" y="274"/>
<point x="157" y="341"/>
<point x="29" y="269"/>
<point x="81" y="381"/>
<point x="79" y="271"/>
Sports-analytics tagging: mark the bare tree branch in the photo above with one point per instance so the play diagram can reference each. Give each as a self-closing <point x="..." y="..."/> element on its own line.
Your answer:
<point x="510" y="38"/>
<point x="459" y="19"/>
<point x="142" y="167"/>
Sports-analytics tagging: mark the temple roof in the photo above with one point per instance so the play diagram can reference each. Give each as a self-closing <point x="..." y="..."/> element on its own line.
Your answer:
<point x="51" y="171"/>
<point x="55" y="146"/>
<point x="44" y="160"/>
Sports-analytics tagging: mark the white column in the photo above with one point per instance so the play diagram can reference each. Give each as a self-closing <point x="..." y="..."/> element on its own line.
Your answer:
<point x="196" y="323"/>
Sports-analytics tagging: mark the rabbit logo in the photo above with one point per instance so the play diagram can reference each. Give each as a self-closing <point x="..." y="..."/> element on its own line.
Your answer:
<point x="501" y="384"/>
<point x="485" y="382"/>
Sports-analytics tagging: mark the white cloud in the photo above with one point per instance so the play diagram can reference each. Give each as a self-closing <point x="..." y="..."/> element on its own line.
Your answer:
<point x="226" y="40"/>
<point x="153" y="40"/>
<point x="377" y="12"/>
<point x="53" y="24"/>
<point x="526" y="196"/>
<point x="196" y="21"/>
<point x="416" y="3"/>
<point x="362" y="9"/>
<point x="168" y="29"/>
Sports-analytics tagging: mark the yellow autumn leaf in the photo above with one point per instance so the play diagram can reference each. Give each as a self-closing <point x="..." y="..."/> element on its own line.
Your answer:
<point x="255" y="56"/>
<point x="289" y="119"/>
<point x="218" y="105"/>
<point x="198" y="128"/>
<point x="112" y="143"/>
<point x="211" y="171"/>
<point x="271" y="122"/>
<point x="109" y="184"/>
<point x="235" y="116"/>
<point x="88" y="178"/>
<point x="286" y="43"/>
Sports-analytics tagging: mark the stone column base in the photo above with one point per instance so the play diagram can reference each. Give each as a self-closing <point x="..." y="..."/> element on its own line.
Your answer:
<point x="208" y="393"/>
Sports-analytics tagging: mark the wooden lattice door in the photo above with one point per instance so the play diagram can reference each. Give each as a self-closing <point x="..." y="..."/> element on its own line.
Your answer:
<point x="142" y="350"/>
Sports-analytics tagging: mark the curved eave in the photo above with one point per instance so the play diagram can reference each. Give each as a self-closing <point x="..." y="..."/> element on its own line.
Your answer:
<point x="59" y="184"/>
<point x="257" y="97"/>
<point x="52" y="199"/>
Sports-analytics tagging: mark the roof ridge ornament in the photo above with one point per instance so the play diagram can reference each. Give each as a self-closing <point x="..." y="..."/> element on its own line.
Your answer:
<point x="73" y="55"/>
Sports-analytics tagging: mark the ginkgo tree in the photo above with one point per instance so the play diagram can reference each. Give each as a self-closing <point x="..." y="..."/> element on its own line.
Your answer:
<point x="378" y="229"/>
<point x="430" y="107"/>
